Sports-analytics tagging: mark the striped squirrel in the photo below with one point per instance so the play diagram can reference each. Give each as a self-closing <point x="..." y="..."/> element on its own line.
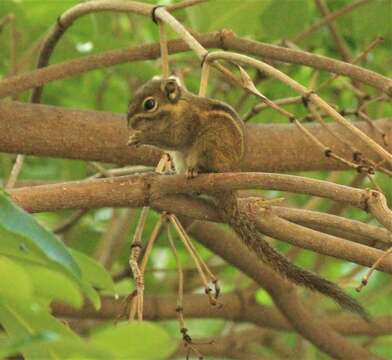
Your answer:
<point x="207" y="135"/>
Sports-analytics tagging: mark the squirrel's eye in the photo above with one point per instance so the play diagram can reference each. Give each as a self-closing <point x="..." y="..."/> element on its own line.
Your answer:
<point x="150" y="104"/>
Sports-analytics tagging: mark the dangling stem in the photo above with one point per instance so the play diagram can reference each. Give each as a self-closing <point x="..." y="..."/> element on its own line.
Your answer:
<point x="164" y="51"/>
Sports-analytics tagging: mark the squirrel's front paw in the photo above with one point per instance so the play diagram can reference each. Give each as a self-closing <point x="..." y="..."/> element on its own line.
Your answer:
<point x="134" y="138"/>
<point x="167" y="172"/>
<point x="191" y="173"/>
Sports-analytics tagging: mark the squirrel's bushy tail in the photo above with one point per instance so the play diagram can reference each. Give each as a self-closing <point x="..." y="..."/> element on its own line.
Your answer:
<point x="244" y="227"/>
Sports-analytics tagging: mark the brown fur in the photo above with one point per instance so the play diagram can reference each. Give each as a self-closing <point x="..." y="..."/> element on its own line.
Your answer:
<point x="210" y="135"/>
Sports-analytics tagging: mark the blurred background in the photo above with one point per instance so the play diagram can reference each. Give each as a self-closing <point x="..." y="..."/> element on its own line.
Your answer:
<point x="110" y="89"/>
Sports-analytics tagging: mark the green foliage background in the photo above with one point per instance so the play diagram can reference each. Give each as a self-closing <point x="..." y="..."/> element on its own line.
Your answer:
<point x="36" y="268"/>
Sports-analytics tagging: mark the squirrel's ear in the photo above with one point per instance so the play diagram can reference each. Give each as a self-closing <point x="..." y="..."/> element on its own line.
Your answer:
<point x="171" y="89"/>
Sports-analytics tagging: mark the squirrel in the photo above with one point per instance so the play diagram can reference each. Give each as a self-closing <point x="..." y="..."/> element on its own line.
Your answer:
<point x="204" y="135"/>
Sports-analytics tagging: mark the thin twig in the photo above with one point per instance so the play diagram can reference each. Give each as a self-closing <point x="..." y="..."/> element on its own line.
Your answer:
<point x="136" y="246"/>
<point x="70" y="222"/>
<point x="356" y="60"/>
<point x="180" y="296"/>
<point x="101" y="170"/>
<point x="15" y="171"/>
<point x="325" y="150"/>
<point x="163" y="15"/>
<point x="340" y="43"/>
<point x="184" y="4"/>
<point x="191" y="250"/>
<point x="330" y="17"/>
<point x="150" y="243"/>
<point x="164" y="51"/>
<point x="260" y="107"/>
<point x="205" y="71"/>
<point x="310" y="96"/>
<point x="366" y="278"/>
<point x="137" y="301"/>
<point x="13" y="48"/>
<point x="5" y="20"/>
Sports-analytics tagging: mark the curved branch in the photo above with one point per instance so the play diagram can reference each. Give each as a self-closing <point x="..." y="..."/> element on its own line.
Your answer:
<point x="378" y="206"/>
<point x="308" y="94"/>
<point x="68" y="17"/>
<point x="354" y="230"/>
<point x="223" y="40"/>
<point x="79" y="10"/>
<point x="278" y="228"/>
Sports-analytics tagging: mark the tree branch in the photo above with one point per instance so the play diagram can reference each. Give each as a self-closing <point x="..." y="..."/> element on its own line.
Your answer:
<point x="100" y="136"/>
<point x="283" y="294"/>
<point x="146" y="189"/>
<point x="309" y="95"/>
<point x="223" y="40"/>
<point x="237" y="306"/>
<point x="335" y="225"/>
<point x="330" y="17"/>
<point x="276" y="227"/>
<point x="152" y="190"/>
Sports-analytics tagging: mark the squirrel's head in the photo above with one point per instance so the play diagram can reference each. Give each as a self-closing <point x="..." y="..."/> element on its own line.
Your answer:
<point x="156" y="114"/>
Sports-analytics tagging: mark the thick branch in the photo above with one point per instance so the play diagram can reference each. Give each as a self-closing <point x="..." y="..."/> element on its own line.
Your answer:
<point x="283" y="294"/>
<point x="239" y="307"/>
<point x="146" y="189"/>
<point x="53" y="131"/>
<point x="151" y="190"/>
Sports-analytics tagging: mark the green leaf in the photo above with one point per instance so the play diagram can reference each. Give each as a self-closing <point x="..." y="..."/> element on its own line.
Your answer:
<point x="262" y="297"/>
<point x="21" y="235"/>
<point x="91" y="294"/>
<point x="59" y="346"/>
<point x="73" y="349"/>
<point x="38" y="335"/>
<point x="230" y="14"/>
<point x="283" y="19"/>
<point x="20" y="318"/>
<point x="371" y="20"/>
<point x="12" y="274"/>
<point x="19" y="247"/>
<point x="24" y="320"/>
<point x="13" y="346"/>
<point x="124" y="340"/>
<point x="54" y="285"/>
<point x="93" y="272"/>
